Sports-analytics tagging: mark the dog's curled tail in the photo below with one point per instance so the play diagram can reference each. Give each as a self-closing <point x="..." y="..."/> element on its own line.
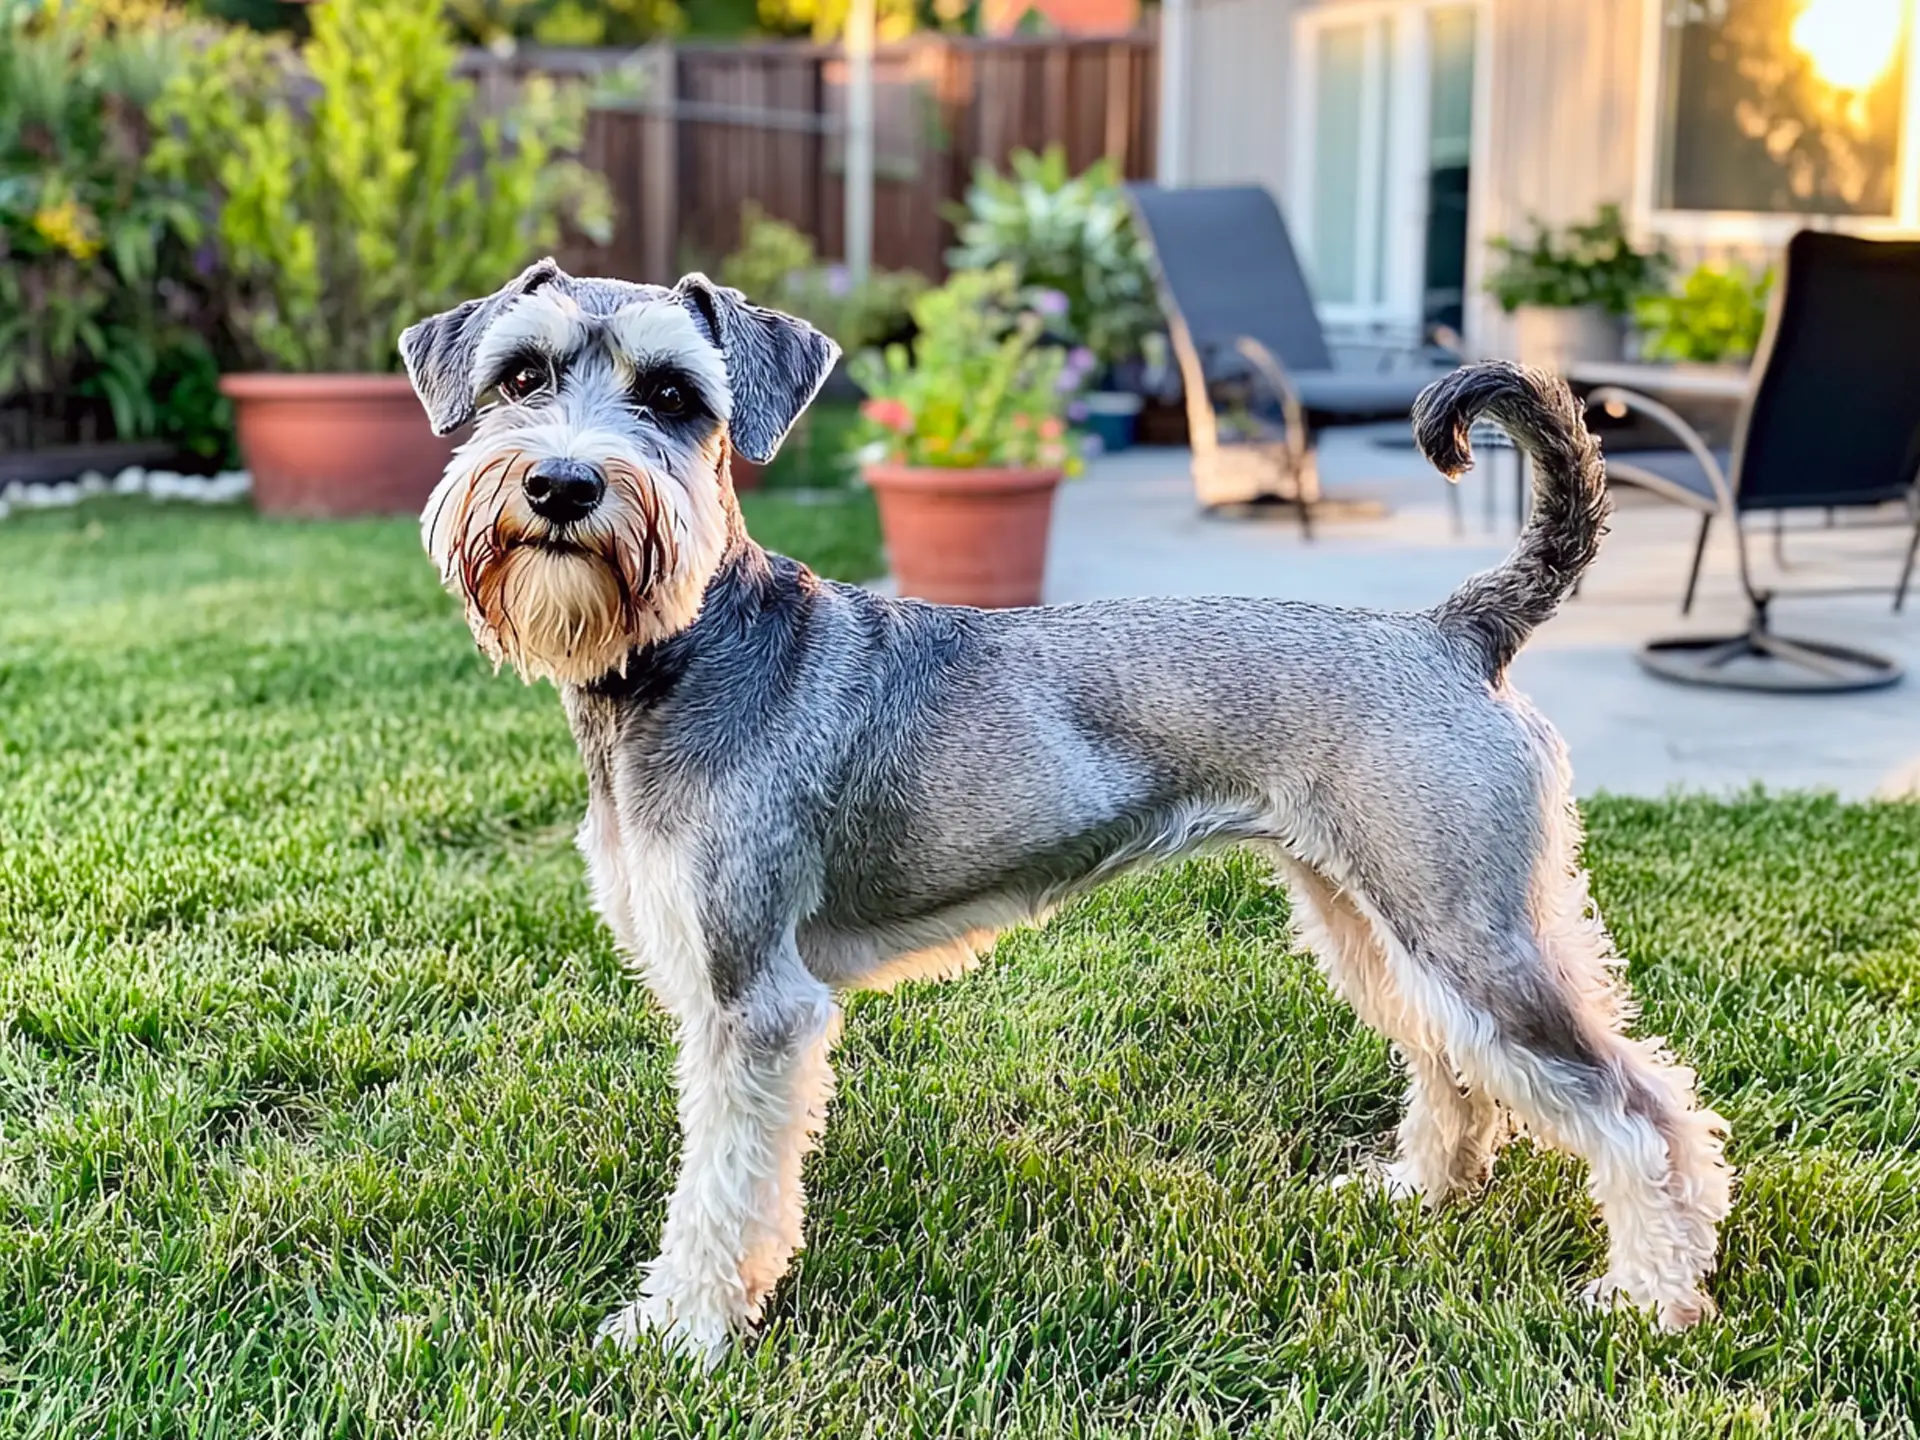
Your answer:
<point x="1500" y="608"/>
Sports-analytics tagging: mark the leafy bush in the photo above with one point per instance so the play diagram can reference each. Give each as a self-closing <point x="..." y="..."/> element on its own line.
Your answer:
<point x="1717" y="314"/>
<point x="1070" y="233"/>
<point x="98" y="289"/>
<point x="355" y="191"/>
<point x="977" y="387"/>
<point x="1594" y="263"/>
<point x="777" y="265"/>
<point x="498" y="24"/>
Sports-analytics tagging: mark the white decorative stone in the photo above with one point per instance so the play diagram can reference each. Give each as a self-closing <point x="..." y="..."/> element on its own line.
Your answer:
<point x="219" y="489"/>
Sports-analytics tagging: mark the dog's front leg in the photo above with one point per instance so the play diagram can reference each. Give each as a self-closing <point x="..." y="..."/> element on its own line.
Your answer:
<point x="755" y="1077"/>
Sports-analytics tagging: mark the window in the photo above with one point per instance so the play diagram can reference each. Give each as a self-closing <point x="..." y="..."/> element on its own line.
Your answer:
<point x="1782" y="106"/>
<point x="1385" y="107"/>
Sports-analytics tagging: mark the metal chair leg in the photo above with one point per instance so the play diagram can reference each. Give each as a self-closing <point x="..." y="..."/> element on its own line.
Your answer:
<point x="1906" y="570"/>
<point x="1699" y="553"/>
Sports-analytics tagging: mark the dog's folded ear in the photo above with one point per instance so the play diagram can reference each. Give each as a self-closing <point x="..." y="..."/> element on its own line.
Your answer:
<point x="439" y="350"/>
<point x="776" y="363"/>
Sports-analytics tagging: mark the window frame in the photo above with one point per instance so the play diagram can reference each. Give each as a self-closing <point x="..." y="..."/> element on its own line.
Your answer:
<point x="1393" y="190"/>
<point x="1764" y="227"/>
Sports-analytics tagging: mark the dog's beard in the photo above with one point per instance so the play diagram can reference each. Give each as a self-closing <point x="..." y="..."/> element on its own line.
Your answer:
<point x="568" y="603"/>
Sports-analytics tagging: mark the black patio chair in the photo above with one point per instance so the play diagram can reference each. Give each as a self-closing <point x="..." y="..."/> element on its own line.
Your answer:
<point x="1832" y="421"/>
<point x="1243" y="323"/>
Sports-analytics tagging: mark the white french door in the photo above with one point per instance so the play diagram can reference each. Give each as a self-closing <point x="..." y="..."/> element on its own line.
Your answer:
<point x="1387" y="121"/>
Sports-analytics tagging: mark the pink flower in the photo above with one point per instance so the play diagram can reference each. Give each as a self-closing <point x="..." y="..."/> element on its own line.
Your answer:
<point x="1051" y="428"/>
<point x="888" y="414"/>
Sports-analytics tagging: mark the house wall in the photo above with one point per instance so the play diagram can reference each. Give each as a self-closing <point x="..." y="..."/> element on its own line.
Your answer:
<point x="1238" y="93"/>
<point x="1564" y="111"/>
<point x="1561" y="110"/>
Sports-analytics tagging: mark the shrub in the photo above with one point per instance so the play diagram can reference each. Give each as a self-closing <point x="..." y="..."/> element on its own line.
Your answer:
<point x="356" y="190"/>
<point x="777" y="265"/>
<point x="1717" y="314"/>
<point x="1593" y="263"/>
<point x="98" y="290"/>
<point x="500" y="24"/>
<point x="1070" y="233"/>
<point x="977" y="387"/>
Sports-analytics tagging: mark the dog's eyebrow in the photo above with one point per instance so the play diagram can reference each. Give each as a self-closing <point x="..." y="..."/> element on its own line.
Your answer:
<point x="661" y="333"/>
<point x="545" y="322"/>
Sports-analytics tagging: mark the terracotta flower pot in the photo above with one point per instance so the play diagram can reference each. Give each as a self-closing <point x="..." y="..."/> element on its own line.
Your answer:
<point x="744" y="473"/>
<point x="336" y="444"/>
<point x="966" y="537"/>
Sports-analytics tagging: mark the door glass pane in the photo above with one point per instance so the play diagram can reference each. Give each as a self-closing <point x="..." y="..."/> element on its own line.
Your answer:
<point x="1781" y="105"/>
<point x="1450" y="45"/>
<point x="1338" y="100"/>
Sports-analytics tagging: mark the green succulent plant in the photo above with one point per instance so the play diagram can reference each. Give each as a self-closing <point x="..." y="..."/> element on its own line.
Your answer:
<point x="1069" y="233"/>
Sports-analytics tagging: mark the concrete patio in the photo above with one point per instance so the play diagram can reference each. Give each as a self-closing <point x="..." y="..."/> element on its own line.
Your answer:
<point x="1130" y="527"/>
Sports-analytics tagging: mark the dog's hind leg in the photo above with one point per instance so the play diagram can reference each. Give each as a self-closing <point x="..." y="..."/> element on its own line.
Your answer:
<point x="1451" y="1128"/>
<point x="1532" y="1014"/>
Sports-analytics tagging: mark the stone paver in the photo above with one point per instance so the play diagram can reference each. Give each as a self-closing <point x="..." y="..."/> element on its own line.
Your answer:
<point x="1130" y="527"/>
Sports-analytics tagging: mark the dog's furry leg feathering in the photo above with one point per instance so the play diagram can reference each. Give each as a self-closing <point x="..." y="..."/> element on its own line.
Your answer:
<point x="797" y="787"/>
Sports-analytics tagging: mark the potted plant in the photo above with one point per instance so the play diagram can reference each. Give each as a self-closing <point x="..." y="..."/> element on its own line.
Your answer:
<point x="967" y="442"/>
<point x="358" y="186"/>
<point x="1570" y="292"/>
<point x="1715" y="317"/>
<point x="1071" y="239"/>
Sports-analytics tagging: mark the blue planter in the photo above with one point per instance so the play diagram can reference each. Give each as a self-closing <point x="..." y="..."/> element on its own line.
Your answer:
<point x="1112" y="418"/>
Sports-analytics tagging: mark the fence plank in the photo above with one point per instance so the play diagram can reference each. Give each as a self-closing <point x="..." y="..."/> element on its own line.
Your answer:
<point x="723" y="125"/>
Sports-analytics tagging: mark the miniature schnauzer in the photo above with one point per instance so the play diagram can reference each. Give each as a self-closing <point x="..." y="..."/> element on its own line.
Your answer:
<point x="798" y="786"/>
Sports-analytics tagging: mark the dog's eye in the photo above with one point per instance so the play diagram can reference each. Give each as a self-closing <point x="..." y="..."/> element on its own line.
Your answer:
<point x="524" y="381"/>
<point x="665" y="399"/>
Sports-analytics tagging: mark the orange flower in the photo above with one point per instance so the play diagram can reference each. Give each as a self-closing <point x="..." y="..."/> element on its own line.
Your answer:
<point x="889" y="414"/>
<point x="1051" y="428"/>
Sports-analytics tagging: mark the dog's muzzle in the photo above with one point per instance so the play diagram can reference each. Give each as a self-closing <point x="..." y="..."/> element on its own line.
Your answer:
<point x="562" y="491"/>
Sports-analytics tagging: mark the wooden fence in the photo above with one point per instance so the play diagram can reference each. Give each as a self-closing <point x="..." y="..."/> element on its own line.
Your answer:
<point x="714" y="127"/>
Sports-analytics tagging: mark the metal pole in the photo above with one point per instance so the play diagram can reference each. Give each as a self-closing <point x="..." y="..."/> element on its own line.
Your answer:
<point x="859" y="217"/>
<point x="1176" y="48"/>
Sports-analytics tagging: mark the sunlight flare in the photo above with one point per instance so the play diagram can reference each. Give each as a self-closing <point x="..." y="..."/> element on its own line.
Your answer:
<point x="1851" y="43"/>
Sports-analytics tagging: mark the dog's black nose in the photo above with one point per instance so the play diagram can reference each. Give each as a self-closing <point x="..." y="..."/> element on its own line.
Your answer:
<point x="563" y="490"/>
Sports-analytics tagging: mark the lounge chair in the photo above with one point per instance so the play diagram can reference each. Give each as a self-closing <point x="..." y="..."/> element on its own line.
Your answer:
<point x="1243" y="324"/>
<point x="1832" y="421"/>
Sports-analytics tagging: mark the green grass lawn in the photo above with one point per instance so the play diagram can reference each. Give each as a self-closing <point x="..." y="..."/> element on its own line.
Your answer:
<point x="327" y="1111"/>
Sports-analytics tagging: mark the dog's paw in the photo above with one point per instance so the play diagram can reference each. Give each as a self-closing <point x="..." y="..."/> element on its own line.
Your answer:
<point x="1672" y="1312"/>
<point x="699" y="1333"/>
<point x="1392" y="1180"/>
